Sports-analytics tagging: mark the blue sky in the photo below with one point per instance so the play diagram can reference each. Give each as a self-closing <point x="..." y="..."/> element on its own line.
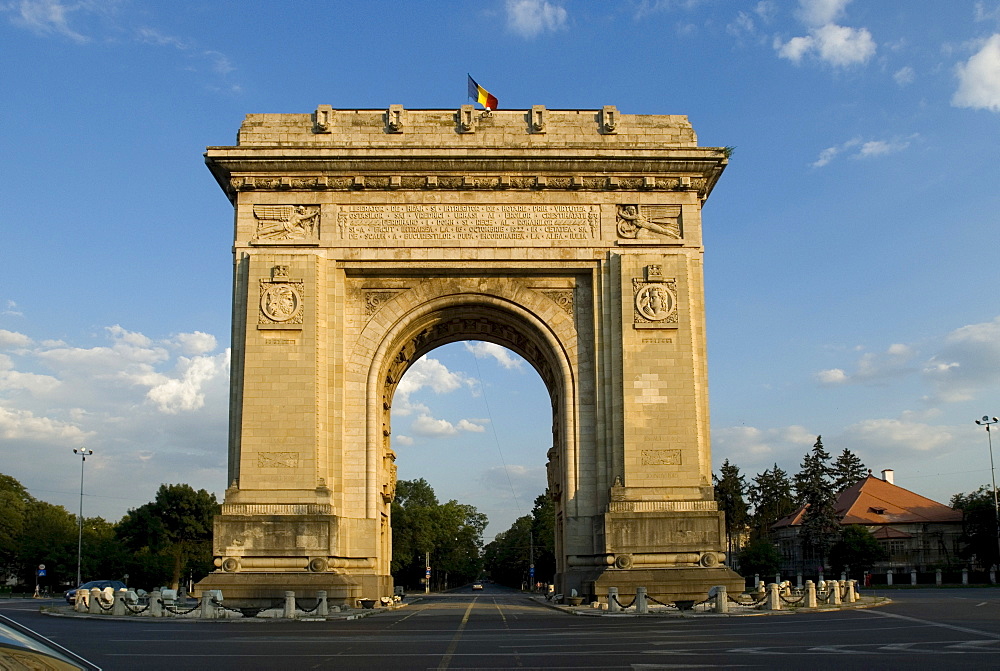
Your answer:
<point x="850" y="259"/>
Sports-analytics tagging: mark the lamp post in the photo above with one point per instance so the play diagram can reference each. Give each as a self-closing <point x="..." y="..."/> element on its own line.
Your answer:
<point x="83" y="452"/>
<point x="987" y="422"/>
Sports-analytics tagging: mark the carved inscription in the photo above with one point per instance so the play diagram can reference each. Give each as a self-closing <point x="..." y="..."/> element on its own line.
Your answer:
<point x="661" y="457"/>
<point x="468" y="222"/>
<point x="277" y="460"/>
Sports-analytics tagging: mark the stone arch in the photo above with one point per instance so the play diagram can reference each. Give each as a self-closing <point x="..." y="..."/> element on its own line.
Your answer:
<point x="438" y="312"/>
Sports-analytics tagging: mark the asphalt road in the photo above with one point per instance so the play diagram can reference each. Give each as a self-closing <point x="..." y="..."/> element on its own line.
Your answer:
<point x="501" y="629"/>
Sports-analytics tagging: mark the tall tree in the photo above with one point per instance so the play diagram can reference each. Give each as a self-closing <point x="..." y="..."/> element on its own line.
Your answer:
<point x="451" y="532"/>
<point x="14" y="502"/>
<point x="814" y="489"/>
<point x="979" y="525"/>
<point x="770" y="494"/>
<point x="856" y="550"/>
<point x="177" y="526"/>
<point x="730" y="492"/>
<point x="848" y="470"/>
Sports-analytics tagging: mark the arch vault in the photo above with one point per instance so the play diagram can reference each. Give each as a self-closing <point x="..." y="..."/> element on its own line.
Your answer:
<point x="366" y="238"/>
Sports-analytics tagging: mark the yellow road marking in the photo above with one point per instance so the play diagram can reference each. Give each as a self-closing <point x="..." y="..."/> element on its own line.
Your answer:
<point x="454" y="641"/>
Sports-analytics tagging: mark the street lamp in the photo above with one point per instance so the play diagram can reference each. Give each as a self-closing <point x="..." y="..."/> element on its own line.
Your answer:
<point x="987" y="422"/>
<point x="83" y="452"/>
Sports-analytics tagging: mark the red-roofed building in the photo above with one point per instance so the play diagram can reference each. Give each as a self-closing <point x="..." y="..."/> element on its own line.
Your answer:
<point x="918" y="533"/>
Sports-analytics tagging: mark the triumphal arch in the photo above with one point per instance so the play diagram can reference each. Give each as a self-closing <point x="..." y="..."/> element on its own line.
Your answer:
<point x="366" y="238"/>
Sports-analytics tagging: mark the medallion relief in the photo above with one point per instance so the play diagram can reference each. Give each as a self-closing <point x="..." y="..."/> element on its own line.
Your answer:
<point x="280" y="298"/>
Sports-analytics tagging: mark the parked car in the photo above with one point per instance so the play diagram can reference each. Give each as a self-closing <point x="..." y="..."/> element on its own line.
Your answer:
<point x="22" y="648"/>
<point x="99" y="584"/>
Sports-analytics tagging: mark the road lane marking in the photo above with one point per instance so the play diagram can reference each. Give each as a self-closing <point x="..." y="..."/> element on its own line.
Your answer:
<point x="458" y="635"/>
<point x="953" y="627"/>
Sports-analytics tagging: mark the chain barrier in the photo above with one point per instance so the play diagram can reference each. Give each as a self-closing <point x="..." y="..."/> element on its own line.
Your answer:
<point x="791" y="602"/>
<point x="308" y="610"/>
<point x="669" y="604"/>
<point x="823" y="597"/>
<point x="136" y="611"/>
<point x="621" y="605"/>
<point x="111" y="606"/>
<point x="177" y="611"/>
<point x="750" y="604"/>
<point x="703" y="602"/>
<point x="253" y="611"/>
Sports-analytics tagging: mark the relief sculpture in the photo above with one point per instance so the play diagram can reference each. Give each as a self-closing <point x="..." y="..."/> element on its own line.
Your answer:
<point x="649" y="222"/>
<point x="286" y="222"/>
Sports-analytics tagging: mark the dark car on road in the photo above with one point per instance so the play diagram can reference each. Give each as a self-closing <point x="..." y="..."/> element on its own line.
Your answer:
<point x="99" y="584"/>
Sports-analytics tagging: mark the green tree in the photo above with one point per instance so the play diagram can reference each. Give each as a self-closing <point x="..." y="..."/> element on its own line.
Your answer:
<point x="857" y="550"/>
<point x="770" y="494"/>
<point x="814" y="489"/>
<point x="508" y="557"/>
<point x="760" y="557"/>
<point x="175" y="530"/>
<point x="730" y="492"/>
<point x="14" y="502"/>
<point x="451" y="532"/>
<point x="848" y="470"/>
<point x="979" y="525"/>
<point x="49" y="537"/>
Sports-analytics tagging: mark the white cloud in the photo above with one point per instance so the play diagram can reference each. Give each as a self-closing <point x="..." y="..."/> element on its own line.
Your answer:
<point x="837" y="45"/>
<point x="152" y="36"/>
<point x="10" y="339"/>
<point x="979" y="78"/>
<point x="820" y="12"/>
<point x="880" y="435"/>
<point x="402" y="440"/>
<point x="967" y="362"/>
<point x="502" y="355"/>
<point x="45" y="17"/>
<point x="905" y="75"/>
<point x="433" y="374"/>
<point x="195" y="343"/>
<point x="528" y="18"/>
<point x="186" y="392"/>
<point x="832" y="376"/>
<point x="874" y="368"/>
<point x="24" y="425"/>
<point x="865" y="149"/>
<point x="11" y="310"/>
<point x="429" y="427"/>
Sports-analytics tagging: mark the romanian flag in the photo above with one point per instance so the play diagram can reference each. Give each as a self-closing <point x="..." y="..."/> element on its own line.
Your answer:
<point x="481" y="95"/>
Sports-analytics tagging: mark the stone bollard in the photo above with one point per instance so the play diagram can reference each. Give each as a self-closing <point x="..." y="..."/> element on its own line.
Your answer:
<point x="119" y="604"/>
<point x="641" y="604"/>
<point x="613" y="606"/>
<point x="94" y="602"/>
<point x="289" y="605"/>
<point x="965" y="576"/>
<point x="852" y="593"/>
<point x="773" y="598"/>
<point x="155" y="603"/>
<point x="786" y="588"/>
<point x="811" y="594"/>
<point x="777" y="578"/>
<point x="913" y="576"/>
<point x="820" y="581"/>
<point x="888" y="577"/>
<point x="80" y="605"/>
<point x="756" y="580"/>
<point x="834" y="587"/>
<point x="721" y="598"/>
<point x="208" y="609"/>
<point x="761" y="587"/>
<point x="798" y="580"/>
<point x="323" y="609"/>
<point x="937" y="577"/>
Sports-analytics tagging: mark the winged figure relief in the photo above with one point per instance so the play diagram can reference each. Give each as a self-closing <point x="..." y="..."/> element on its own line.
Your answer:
<point x="286" y="222"/>
<point x="647" y="222"/>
